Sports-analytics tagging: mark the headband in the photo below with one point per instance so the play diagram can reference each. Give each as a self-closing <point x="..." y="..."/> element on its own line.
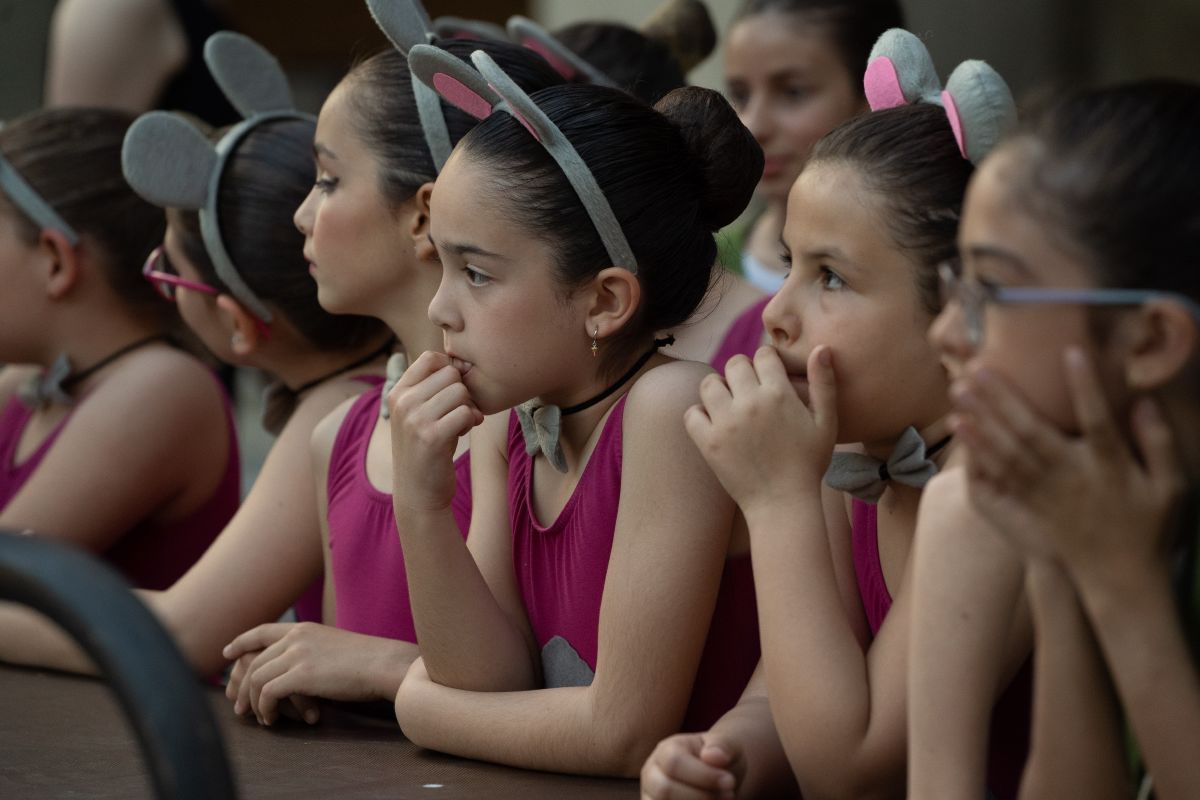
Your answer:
<point x="565" y="61"/>
<point x="406" y="24"/>
<point x="459" y="28"/>
<point x="977" y="101"/>
<point x="172" y="164"/>
<point x="482" y="93"/>
<point x="26" y="198"/>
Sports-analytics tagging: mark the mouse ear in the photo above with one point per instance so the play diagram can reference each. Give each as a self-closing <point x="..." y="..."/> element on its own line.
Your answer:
<point x="455" y="80"/>
<point x="686" y="28"/>
<point x="980" y="107"/>
<point x="404" y="22"/>
<point x="459" y="28"/>
<point x="900" y="71"/>
<point x="249" y="76"/>
<point x="167" y="161"/>
<point x="565" y="61"/>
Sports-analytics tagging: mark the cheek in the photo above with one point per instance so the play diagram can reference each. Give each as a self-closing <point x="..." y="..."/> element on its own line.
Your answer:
<point x="1030" y="357"/>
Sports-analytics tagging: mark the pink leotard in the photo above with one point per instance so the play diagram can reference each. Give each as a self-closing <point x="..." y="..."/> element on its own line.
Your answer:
<point x="561" y="570"/>
<point x="151" y="555"/>
<point x="369" y="581"/>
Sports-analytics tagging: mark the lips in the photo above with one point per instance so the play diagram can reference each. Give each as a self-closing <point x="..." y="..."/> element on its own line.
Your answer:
<point x="774" y="166"/>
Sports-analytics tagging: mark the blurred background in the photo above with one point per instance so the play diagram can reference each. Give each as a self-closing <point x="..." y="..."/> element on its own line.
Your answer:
<point x="1033" y="43"/>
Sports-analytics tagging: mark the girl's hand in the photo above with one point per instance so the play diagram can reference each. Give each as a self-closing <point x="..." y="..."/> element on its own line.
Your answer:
<point x="430" y="409"/>
<point x="693" y="765"/>
<point x="292" y="661"/>
<point x="1089" y="501"/>
<point x="296" y="707"/>
<point x="756" y="433"/>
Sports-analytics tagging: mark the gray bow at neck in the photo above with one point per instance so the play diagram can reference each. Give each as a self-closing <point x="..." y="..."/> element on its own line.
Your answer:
<point x="865" y="477"/>
<point x="48" y="386"/>
<point x="541" y="425"/>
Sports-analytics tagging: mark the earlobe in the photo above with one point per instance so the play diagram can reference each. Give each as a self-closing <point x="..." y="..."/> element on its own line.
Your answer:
<point x="1167" y="345"/>
<point x="616" y="296"/>
<point x="240" y="324"/>
<point x="62" y="260"/>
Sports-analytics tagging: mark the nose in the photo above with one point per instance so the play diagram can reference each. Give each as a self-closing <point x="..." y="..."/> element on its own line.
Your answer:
<point x="441" y="308"/>
<point x="755" y="115"/>
<point x="949" y="334"/>
<point x="780" y="321"/>
<point x="304" y="214"/>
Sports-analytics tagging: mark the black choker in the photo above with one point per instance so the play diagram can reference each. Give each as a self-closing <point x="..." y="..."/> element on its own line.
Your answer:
<point x="667" y="341"/>
<point x="367" y="359"/>
<point x="54" y="384"/>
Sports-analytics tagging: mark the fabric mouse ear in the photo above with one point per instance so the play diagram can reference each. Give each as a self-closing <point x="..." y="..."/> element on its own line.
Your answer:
<point x="686" y="28"/>
<point x="980" y="107"/>
<point x="565" y="61"/>
<point x="249" y="77"/>
<point x="167" y="161"/>
<point x="459" y="28"/>
<point x="454" y="79"/>
<point x="900" y="71"/>
<point x="524" y="110"/>
<point x="404" y="22"/>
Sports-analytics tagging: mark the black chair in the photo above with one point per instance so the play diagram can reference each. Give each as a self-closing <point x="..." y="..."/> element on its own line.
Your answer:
<point x="153" y="683"/>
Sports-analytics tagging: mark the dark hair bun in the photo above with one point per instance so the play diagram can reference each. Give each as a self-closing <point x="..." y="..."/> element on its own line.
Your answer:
<point x="728" y="160"/>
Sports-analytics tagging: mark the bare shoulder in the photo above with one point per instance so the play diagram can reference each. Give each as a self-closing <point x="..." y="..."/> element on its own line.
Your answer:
<point x="666" y="390"/>
<point x="945" y="497"/>
<point x="325" y="432"/>
<point x="170" y="388"/>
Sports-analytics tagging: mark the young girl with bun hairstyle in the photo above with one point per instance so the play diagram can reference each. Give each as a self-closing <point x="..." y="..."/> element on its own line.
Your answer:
<point x="110" y="436"/>
<point x="603" y="598"/>
<point x="873" y="213"/>
<point x="378" y="143"/>
<point x="1071" y="331"/>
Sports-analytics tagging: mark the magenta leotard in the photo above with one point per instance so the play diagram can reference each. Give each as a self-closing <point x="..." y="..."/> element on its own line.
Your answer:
<point x="1008" y="740"/>
<point x="369" y="582"/>
<point x="744" y="336"/>
<point x="561" y="569"/>
<point x="151" y="555"/>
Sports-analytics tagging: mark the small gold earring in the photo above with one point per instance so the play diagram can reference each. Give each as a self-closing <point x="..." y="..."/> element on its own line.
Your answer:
<point x="595" y="347"/>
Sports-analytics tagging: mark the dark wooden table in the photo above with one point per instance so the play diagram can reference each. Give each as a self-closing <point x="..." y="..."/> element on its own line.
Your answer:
<point x="64" y="737"/>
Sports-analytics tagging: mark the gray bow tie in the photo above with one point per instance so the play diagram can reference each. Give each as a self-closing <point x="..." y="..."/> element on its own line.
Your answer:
<point x="865" y="477"/>
<point x="47" y="387"/>
<point x="540" y="425"/>
<point x="396" y="364"/>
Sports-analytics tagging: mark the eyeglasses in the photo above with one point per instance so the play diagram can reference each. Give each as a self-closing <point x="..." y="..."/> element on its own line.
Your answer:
<point x="974" y="295"/>
<point x="162" y="274"/>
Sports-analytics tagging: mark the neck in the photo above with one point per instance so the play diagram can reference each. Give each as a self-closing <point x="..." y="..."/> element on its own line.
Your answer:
<point x="297" y="366"/>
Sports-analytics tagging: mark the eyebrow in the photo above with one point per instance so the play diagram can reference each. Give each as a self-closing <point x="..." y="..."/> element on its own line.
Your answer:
<point x="465" y="249"/>
<point x="321" y="150"/>
<point x="994" y="253"/>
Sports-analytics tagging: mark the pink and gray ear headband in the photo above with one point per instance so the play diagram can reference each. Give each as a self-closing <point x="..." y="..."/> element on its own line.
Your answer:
<point x="977" y="101"/>
<point x="171" y="164"/>
<point x="482" y="93"/>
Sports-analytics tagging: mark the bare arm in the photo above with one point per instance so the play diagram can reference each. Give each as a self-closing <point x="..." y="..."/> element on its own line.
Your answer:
<point x="1076" y="748"/>
<point x="970" y="634"/>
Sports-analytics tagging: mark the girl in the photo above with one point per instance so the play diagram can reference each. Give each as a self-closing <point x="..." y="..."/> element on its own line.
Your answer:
<point x="1093" y="204"/>
<point x="366" y="240"/>
<point x="873" y="212"/>
<point x="792" y="71"/>
<point x="271" y="549"/>
<point x="149" y="491"/>
<point x="571" y="634"/>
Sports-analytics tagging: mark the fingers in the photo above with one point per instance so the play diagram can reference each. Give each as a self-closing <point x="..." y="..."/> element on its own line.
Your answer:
<point x="1090" y="404"/>
<point x="1156" y="444"/>
<point x="822" y="389"/>
<point x="715" y="396"/>
<point x="740" y="374"/>
<point x="427" y="364"/>
<point x="257" y="638"/>
<point x="675" y="770"/>
<point x="994" y="449"/>
<point x="998" y="404"/>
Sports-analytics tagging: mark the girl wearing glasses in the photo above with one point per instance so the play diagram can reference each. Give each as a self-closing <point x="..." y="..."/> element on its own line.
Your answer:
<point x="112" y="438"/>
<point x="1071" y="331"/>
<point x="873" y="213"/>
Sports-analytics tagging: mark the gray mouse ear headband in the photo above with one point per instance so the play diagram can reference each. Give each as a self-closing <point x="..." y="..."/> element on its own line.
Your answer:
<point x="483" y="92"/>
<point x="406" y="24"/>
<point x="977" y="101"/>
<point x="459" y="28"/>
<point x="26" y="198"/>
<point x="566" y="62"/>
<point x="172" y="164"/>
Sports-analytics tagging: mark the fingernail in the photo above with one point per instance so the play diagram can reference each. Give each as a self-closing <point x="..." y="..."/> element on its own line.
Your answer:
<point x="226" y="650"/>
<point x="725" y="782"/>
<point x="1074" y="357"/>
<point x="825" y="358"/>
<point x="311" y="716"/>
